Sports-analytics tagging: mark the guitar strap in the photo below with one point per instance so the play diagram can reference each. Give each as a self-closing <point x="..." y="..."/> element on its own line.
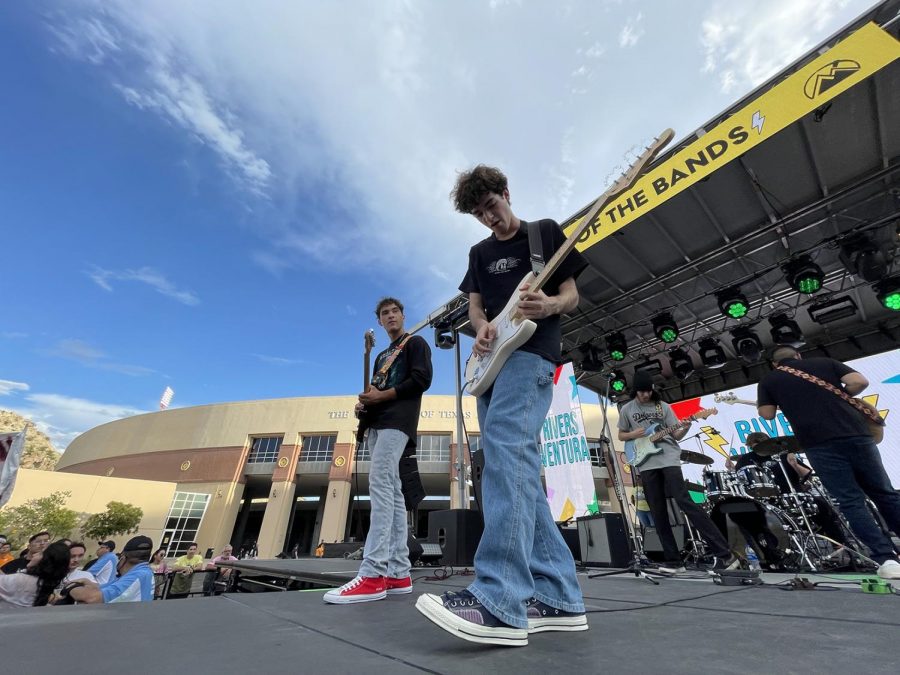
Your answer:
<point x="386" y="366"/>
<point x="535" y="247"/>
<point x="866" y="412"/>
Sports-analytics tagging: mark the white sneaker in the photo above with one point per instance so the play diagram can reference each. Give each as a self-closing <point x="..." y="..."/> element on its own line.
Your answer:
<point x="890" y="569"/>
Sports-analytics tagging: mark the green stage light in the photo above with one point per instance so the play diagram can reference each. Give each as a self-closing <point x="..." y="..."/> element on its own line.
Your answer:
<point x="733" y="303"/>
<point x="804" y="275"/>
<point x="617" y="346"/>
<point x="888" y="293"/>
<point x="617" y="383"/>
<point x="664" y="327"/>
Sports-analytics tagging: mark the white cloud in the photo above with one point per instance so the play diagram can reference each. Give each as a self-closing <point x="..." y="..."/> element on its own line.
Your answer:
<point x="85" y="354"/>
<point x="14" y="335"/>
<point x="279" y="360"/>
<point x="351" y="311"/>
<point x="631" y="31"/>
<point x="145" y="275"/>
<point x="8" y="386"/>
<point x="747" y="43"/>
<point x="63" y="418"/>
<point x="89" y="39"/>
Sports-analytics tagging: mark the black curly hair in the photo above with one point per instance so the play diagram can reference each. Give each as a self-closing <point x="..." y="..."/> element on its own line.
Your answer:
<point x="50" y="571"/>
<point x="471" y="186"/>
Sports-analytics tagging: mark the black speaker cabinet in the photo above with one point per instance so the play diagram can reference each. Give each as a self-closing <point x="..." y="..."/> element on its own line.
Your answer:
<point x="458" y="532"/>
<point x="570" y="536"/>
<point x="604" y="540"/>
<point x="653" y="547"/>
<point x="477" y="463"/>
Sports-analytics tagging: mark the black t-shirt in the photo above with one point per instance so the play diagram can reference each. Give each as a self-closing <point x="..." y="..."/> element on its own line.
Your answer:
<point x="751" y="458"/>
<point x="410" y="376"/>
<point x="13" y="566"/>
<point x="816" y="414"/>
<point x="497" y="269"/>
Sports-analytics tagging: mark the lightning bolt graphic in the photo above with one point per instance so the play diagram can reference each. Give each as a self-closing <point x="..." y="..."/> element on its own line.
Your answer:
<point x="715" y="441"/>
<point x="873" y="400"/>
<point x="758" y="121"/>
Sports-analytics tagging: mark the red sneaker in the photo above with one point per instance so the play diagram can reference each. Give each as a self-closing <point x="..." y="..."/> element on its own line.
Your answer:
<point x="396" y="586"/>
<point x="361" y="589"/>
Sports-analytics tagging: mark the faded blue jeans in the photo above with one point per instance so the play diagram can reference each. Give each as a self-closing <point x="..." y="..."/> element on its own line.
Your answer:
<point x="386" y="552"/>
<point x="522" y="553"/>
<point x="851" y="470"/>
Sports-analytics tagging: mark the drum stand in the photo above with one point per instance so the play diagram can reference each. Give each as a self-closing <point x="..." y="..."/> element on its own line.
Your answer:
<point x="809" y="534"/>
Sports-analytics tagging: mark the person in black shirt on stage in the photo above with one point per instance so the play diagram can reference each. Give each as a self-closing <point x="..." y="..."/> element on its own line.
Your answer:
<point x="837" y="443"/>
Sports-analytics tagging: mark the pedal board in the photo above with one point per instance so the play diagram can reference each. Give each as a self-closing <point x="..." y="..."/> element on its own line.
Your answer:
<point x="737" y="578"/>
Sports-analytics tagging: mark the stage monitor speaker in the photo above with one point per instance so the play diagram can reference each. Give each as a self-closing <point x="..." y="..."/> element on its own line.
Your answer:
<point x="411" y="482"/>
<point x="458" y="532"/>
<point x="570" y="536"/>
<point x="653" y="547"/>
<point x="603" y="540"/>
<point x="477" y="464"/>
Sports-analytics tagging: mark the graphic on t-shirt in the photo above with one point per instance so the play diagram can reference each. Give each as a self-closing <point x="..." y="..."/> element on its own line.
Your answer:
<point x="394" y="374"/>
<point x="503" y="265"/>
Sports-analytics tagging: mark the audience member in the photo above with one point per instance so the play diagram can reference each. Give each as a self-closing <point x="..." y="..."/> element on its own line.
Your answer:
<point x="36" y="544"/>
<point x="33" y="587"/>
<point x="184" y="567"/>
<point x="213" y="572"/>
<point x="135" y="581"/>
<point x="104" y="567"/>
<point x="5" y="553"/>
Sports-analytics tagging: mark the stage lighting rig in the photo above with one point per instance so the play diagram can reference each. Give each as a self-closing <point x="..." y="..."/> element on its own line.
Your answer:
<point x="664" y="327"/>
<point x="863" y="258"/>
<point x="888" y="293"/>
<point x="592" y="359"/>
<point x="746" y="344"/>
<point x="616" y="346"/>
<point x="832" y="309"/>
<point x="617" y="382"/>
<point x="444" y="338"/>
<point x="732" y="303"/>
<point x="711" y="353"/>
<point x="649" y="366"/>
<point x="785" y="331"/>
<point x="803" y="275"/>
<point x="681" y="363"/>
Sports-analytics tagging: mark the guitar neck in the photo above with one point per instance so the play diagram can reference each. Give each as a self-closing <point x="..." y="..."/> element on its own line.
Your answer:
<point x="366" y="367"/>
<point x="668" y="430"/>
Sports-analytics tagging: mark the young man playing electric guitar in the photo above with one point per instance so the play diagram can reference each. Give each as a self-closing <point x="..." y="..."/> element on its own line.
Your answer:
<point x="662" y="478"/>
<point x="524" y="573"/>
<point x="402" y="373"/>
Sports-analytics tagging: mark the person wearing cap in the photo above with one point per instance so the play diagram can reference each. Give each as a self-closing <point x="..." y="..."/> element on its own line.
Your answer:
<point x="104" y="567"/>
<point x="662" y="478"/>
<point x="135" y="581"/>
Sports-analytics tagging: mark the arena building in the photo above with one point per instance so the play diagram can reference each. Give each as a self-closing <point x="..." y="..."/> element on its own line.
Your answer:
<point x="280" y="472"/>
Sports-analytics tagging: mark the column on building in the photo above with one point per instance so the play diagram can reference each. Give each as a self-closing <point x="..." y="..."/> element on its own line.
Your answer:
<point x="337" y="496"/>
<point x="455" y="501"/>
<point x="281" y="502"/>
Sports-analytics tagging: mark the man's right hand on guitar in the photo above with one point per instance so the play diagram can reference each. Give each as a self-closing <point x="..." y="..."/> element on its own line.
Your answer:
<point x="484" y="339"/>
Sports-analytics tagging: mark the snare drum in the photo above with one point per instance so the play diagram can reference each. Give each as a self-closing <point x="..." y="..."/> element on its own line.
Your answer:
<point x="720" y="484"/>
<point x="757" y="482"/>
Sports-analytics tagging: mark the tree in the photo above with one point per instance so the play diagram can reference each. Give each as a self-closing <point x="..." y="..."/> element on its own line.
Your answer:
<point x="46" y="513"/>
<point x="119" y="518"/>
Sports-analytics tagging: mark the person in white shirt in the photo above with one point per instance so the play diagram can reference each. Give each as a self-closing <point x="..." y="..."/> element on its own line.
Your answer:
<point x="77" y="551"/>
<point x="33" y="586"/>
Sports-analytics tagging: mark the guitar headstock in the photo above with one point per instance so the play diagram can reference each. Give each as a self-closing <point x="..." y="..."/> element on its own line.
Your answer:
<point x="706" y="412"/>
<point x="728" y="398"/>
<point x="369" y="340"/>
<point x="637" y="167"/>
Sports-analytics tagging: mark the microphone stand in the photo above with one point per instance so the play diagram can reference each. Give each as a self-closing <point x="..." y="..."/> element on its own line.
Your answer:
<point x="636" y="566"/>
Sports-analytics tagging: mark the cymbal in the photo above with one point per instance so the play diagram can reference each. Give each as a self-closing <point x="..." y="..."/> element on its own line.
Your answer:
<point x="695" y="457"/>
<point x="696" y="487"/>
<point x="777" y="445"/>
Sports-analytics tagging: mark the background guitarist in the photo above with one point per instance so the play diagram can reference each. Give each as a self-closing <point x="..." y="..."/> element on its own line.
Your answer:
<point x="402" y="373"/>
<point x="662" y="478"/>
<point x="837" y="443"/>
<point x="524" y="572"/>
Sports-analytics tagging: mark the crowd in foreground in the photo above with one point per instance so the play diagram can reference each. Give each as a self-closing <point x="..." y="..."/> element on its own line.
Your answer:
<point x="46" y="573"/>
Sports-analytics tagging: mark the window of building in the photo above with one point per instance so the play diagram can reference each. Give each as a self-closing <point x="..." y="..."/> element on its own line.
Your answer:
<point x="433" y="447"/>
<point x="264" y="449"/>
<point x="363" y="451"/>
<point x="474" y="442"/>
<point x="183" y="522"/>
<point x="317" y="448"/>
<point x="595" y="447"/>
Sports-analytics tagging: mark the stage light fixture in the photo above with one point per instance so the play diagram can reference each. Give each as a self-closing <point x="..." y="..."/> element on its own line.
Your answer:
<point x="617" y="382"/>
<point x="664" y="327"/>
<point x="733" y="303"/>
<point x="592" y="359"/>
<point x="803" y="275"/>
<point x="832" y="309"/>
<point x="888" y="293"/>
<point x="649" y="366"/>
<point x="681" y="363"/>
<point x="746" y="344"/>
<point x="616" y="346"/>
<point x="785" y="331"/>
<point x="863" y="258"/>
<point x="444" y="338"/>
<point x="711" y="353"/>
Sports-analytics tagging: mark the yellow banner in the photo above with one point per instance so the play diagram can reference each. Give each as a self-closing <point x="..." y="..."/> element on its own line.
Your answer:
<point x="846" y="64"/>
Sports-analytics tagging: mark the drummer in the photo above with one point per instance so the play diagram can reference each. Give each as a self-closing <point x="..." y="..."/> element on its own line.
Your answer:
<point x="797" y="472"/>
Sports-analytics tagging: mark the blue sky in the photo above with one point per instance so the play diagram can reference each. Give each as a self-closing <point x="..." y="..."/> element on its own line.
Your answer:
<point x="212" y="198"/>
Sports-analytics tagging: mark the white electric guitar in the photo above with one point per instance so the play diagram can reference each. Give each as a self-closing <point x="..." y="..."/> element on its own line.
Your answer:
<point x="514" y="330"/>
<point x="731" y="399"/>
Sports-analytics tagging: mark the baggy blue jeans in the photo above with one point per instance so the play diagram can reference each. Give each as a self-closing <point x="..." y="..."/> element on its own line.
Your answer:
<point x="522" y="553"/>
<point x="386" y="552"/>
<point x="851" y="469"/>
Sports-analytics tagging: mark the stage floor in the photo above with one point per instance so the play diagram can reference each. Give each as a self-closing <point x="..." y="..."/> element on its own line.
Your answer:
<point x="684" y="625"/>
